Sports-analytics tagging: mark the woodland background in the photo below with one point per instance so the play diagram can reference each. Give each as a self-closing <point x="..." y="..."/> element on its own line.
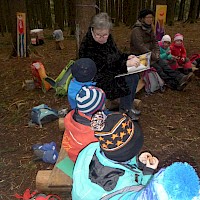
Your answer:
<point x="170" y="120"/>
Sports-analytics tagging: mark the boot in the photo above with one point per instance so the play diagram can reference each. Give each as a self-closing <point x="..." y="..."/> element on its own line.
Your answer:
<point x="130" y="113"/>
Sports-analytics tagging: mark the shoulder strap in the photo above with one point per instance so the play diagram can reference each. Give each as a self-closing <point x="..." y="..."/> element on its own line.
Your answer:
<point x="80" y="119"/>
<point x="134" y="188"/>
<point x="53" y="197"/>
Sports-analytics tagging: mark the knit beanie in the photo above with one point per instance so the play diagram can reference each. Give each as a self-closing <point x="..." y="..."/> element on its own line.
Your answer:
<point x="178" y="181"/>
<point x="178" y="36"/>
<point x="143" y="13"/>
<point x="120" y="138"/>
<point x="84" y="69"/>
<point x="166" y="38"/>
<point x="90" y="99"/>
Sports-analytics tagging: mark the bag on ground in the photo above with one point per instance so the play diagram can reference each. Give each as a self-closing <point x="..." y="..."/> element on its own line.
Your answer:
<point x="152" y="80"/>
<point x="43" y="114"/>
<point x="39" y="75"/>
<point x="61" y="83"/>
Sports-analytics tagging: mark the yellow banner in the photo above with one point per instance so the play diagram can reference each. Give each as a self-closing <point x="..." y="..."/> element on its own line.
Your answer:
<point x="21" y="34"/>
<point x="160" y="19"/>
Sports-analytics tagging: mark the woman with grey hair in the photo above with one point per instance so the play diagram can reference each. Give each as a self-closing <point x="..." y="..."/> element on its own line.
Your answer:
<point x="98" y="45"/>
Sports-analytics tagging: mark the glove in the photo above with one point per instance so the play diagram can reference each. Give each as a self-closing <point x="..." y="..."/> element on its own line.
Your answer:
<point x="152" y="162"/>
<point x="144" y="157"/>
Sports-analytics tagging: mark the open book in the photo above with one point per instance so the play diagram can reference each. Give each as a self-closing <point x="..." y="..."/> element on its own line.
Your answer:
<point x="144" y="65"/>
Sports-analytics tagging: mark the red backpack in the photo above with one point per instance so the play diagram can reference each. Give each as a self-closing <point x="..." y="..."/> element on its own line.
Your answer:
<point x="39" y="75"/>
<point x="194" y="57"/>
<point x="36" y="196"/>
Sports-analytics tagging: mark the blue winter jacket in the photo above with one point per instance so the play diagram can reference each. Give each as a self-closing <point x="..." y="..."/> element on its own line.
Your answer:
<point x="85" y="189"/>
<point x="73" y="89"/>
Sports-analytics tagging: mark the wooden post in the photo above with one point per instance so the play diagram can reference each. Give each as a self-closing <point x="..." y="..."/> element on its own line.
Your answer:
<point x="59" y="45"/>
<point x="61" y="124"/>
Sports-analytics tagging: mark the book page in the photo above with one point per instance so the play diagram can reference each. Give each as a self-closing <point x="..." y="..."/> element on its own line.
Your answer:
<point x="144" y="65"/>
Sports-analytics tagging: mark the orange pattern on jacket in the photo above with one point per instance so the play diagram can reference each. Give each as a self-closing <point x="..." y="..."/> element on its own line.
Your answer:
<point x="76" y="136"/>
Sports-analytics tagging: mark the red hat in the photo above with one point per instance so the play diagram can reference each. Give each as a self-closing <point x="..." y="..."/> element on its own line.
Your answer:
<point x="178" y="36"/>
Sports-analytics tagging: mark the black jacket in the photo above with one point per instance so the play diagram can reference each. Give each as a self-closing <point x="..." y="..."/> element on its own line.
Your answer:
<point x="109" y="61"/>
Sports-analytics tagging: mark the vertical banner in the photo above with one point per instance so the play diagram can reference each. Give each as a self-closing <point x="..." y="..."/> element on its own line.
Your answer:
<point x="160" y="19"/>
<point x="21" y="34"/>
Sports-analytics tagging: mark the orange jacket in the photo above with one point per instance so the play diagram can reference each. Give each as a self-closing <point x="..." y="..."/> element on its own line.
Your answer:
<point x="76" y="136"/>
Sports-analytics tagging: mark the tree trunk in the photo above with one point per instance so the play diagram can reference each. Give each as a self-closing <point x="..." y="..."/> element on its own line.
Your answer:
<point x="112" y="15"/>
<point x="198" y="10"/>
<point x="170" y="12"/>
<point x="59" y="13"/>
<point x="148" y="4"/>
<point x="109" y="7"/>
<point x="48" y="14"/>
<point x="85" y="9"/>
<point x="116" y="12"/>
<point x="102" y="5"/>
<point x="193" y="11"/>
<point x="125" y="12"/>
<point x="142" y="4"/>
<point x="133" y="7"/>
<point x="181" y="10"/>
<point x="71" y="15"/>
<point x="2" y="19"/>
<point x="120" y="10"/>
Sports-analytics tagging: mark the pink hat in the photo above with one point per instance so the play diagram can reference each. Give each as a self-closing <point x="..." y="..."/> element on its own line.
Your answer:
<point x="178" y="36"/>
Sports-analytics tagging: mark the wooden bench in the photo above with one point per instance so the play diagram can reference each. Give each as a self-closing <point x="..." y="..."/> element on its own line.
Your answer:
<point x="54" y="180"/>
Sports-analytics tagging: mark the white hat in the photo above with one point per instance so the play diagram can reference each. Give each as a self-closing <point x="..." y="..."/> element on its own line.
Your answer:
<point x="166" y="38"/>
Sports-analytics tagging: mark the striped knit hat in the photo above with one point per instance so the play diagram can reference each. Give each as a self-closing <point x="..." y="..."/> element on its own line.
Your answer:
<point x="90" y="99"/>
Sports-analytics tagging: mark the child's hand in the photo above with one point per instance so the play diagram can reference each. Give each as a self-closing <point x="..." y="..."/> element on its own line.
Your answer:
<point x="152" y="162"/>
<point x="144" y="157"/>
<point x="131" y="56"/>
<point x="169" y="52"/>
<point x="134" y="61"/>
<point x="177" y="57"/>
<point x="183" y="59"/>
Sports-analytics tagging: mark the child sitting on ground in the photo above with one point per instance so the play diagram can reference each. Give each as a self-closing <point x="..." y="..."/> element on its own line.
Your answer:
<point x="78" y="133"/>
<point x="165" y="52"/>
<point x="114" y="162"/>
<point x="83" y="71"/>
<point x="179" y="52"/>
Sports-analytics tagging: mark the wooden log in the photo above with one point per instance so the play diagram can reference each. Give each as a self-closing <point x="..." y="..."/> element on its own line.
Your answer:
<point x="54" y="180"/>
<point x="61" y="124"/>
<point x="141" y="84"/>
<point x="137" y="103"/>
<point x="59" y="45"/>
<point x="112" y="104"/>
<point x="42" y="182"/>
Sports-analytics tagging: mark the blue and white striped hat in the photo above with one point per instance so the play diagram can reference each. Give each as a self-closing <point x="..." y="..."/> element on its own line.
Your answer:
<point x="90" y="99"/>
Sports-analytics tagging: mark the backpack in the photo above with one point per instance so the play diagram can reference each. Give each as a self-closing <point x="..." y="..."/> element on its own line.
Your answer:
<point x="39" y="73"/>
<point x="61" y="83"/>
<point x="28" y="195"/>
<point x="195" y="58"/>
<point x="152" y="80"/>
<point x="43" y="114"/>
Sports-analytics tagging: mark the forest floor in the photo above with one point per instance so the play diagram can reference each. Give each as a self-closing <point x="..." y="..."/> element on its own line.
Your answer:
<point x="170" y="120"/>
